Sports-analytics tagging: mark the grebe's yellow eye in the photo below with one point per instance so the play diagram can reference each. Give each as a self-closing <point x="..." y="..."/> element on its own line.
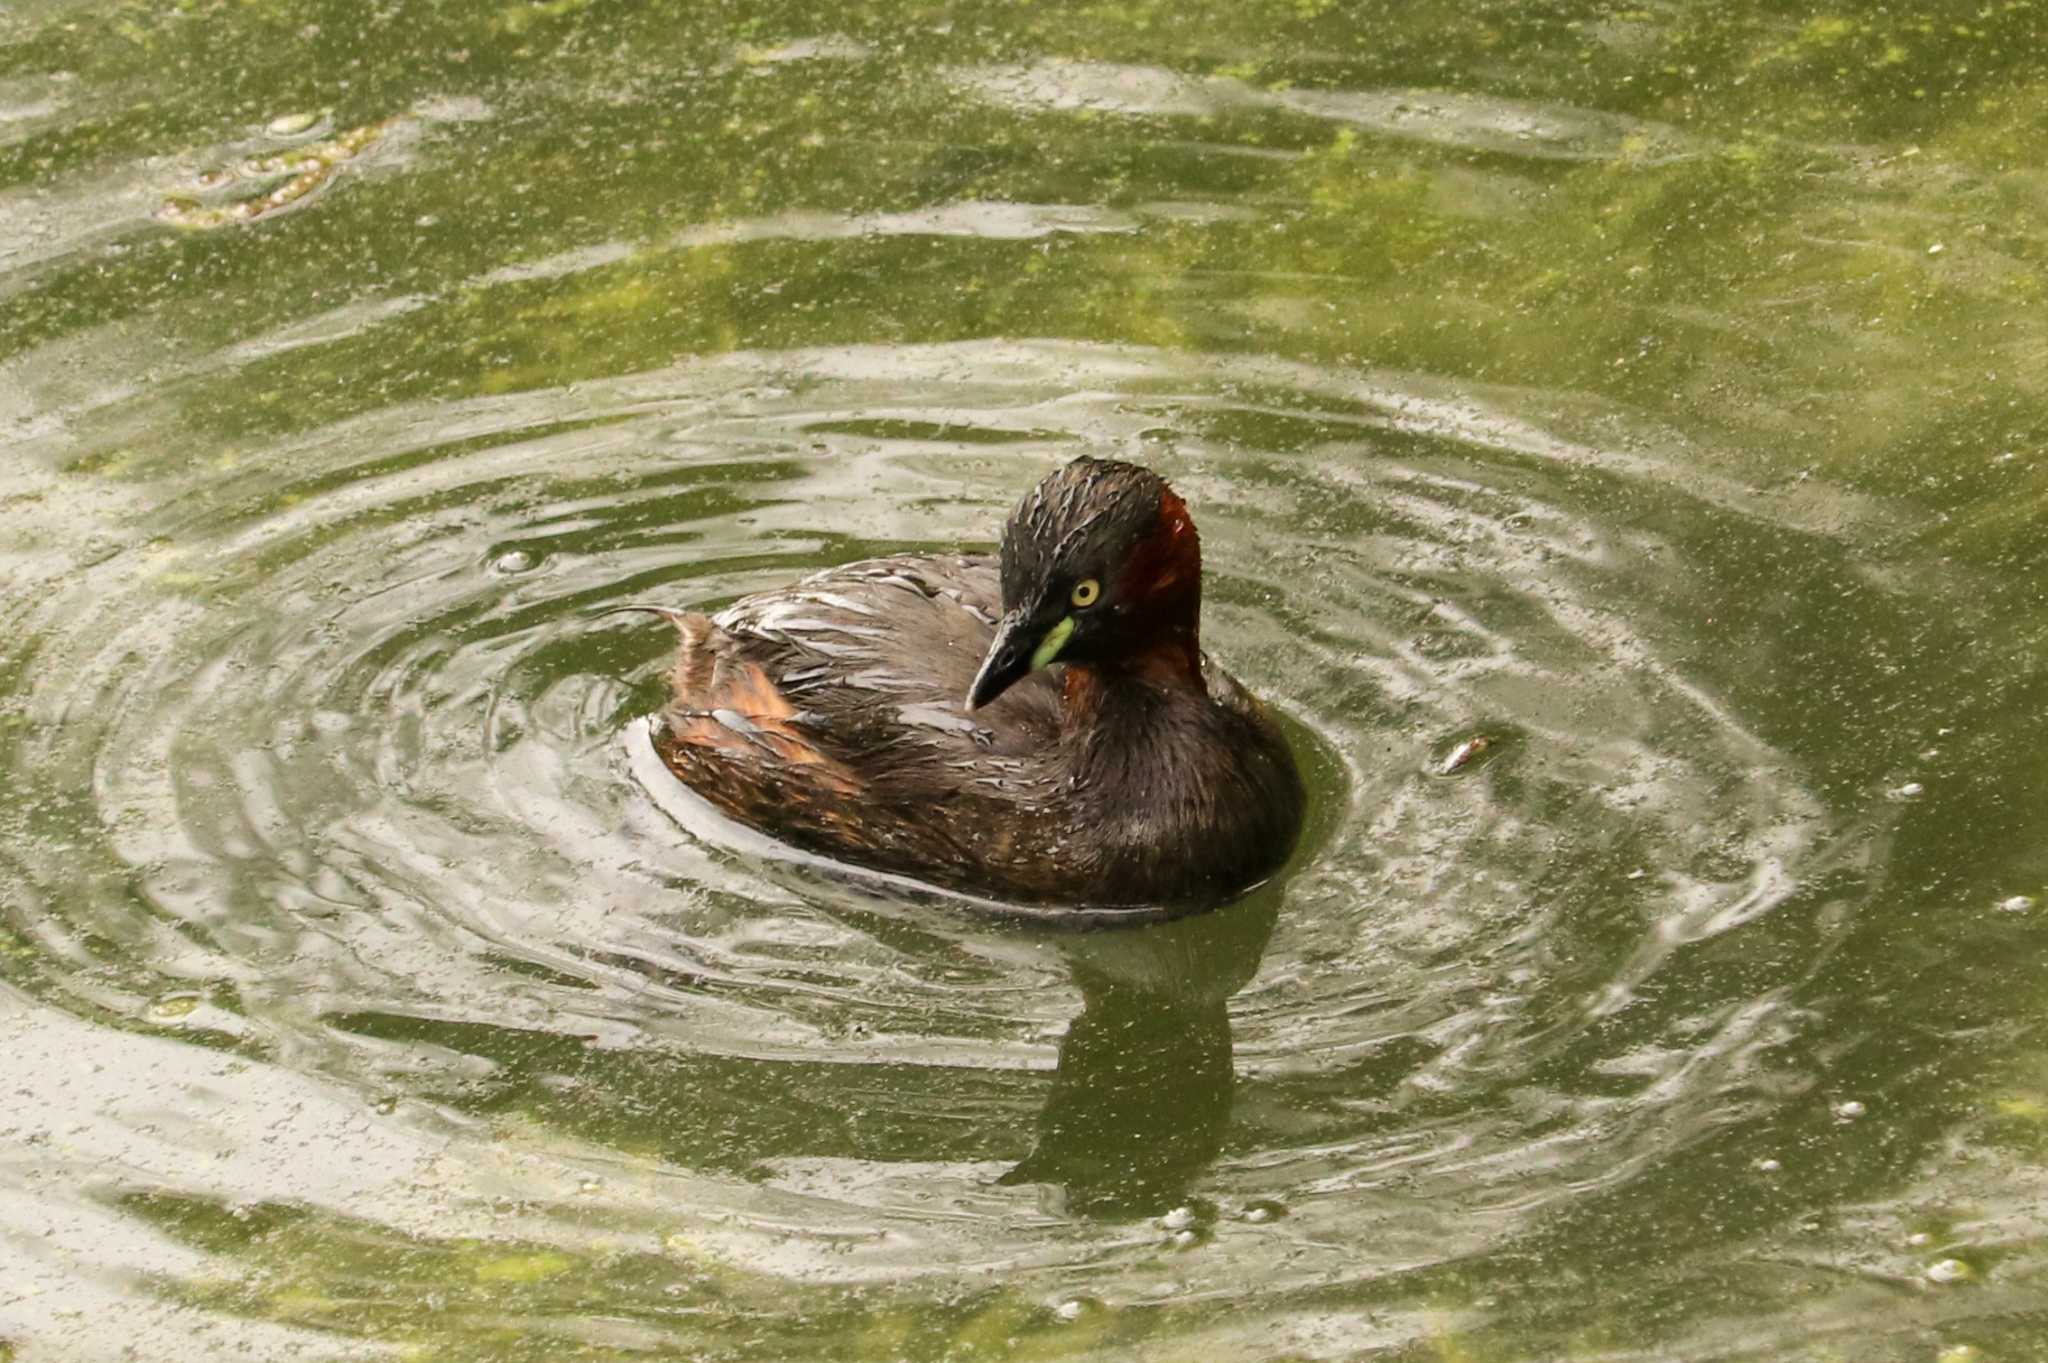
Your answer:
<point x="1086" y="591"/>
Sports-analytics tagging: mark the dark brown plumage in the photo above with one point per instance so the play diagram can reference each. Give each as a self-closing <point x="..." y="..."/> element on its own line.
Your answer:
<point x="1105" y="761"/>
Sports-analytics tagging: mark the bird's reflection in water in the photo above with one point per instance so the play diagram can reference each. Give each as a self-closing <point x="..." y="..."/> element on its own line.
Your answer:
<point x="1142" y="1097"/>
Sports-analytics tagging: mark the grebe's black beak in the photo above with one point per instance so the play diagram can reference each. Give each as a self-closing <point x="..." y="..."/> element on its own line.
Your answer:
<point x="1020" y="647"/>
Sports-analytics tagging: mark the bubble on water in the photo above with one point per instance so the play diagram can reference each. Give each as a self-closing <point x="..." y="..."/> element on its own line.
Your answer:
<point x="314" y="165"/>
<point x="1919" y="1238"/>
<point x="1911" y="790"/>
<point x="1768" y="1166"/>
<point x="1263" y="1211"/>
<point x="291" y="125"/>
<point x="172" y="1007"/>
<point x="1960" y="1353"/>
<point x="1180" y="1218"/>
<point x="514" y="561"/>
<point x="1185" y="1239"/>
<point x="1073" y="1308"/>
<point x="590" y="1185"/>
<point x="2018" y="903"/>
<point x="1950" y="1271"/>
<point x="1849" y="1110"/>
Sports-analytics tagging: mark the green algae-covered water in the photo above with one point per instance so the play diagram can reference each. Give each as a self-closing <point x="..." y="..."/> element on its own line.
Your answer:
<point x="1655" y="393"/>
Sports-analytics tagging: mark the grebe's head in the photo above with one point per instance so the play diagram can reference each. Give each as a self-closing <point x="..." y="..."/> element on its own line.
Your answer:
<point x="1101" y="565"/>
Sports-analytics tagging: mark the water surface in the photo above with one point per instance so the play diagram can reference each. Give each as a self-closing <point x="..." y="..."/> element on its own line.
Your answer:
<point x="1654" y="394"/>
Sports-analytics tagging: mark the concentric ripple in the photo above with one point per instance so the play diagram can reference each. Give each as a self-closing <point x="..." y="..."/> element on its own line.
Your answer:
<point x="372" y="808"/>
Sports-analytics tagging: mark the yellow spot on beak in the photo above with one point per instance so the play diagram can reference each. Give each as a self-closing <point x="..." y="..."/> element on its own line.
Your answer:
<point x="1049" y="647"/>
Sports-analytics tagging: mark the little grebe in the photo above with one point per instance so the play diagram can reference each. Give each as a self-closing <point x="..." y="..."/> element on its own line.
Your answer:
<point x="1045" y="731"/>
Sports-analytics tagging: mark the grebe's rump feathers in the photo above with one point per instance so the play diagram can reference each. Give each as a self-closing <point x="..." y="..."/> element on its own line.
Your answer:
<point x="829" y="714"/>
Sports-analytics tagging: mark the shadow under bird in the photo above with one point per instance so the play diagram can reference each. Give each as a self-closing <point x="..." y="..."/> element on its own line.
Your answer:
<point x="1041" y="728"/>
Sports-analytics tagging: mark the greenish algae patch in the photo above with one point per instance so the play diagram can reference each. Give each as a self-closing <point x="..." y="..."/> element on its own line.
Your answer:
<point x="524" y="1268"/>
<point x="1664" y="282"/>
<point x="2031" y="1108"/>
<point x="993" y="1331"/>
<point x="517" y="18"/>
<point x="358" y="1280"/>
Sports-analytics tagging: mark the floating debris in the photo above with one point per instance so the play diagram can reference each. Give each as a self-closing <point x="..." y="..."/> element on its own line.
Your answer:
<point x="1849" y="1111"/>
<point x="1768" y="1166"/>
<point x="1912" y="790"/>
<point x="1950" y="1271"/>
<point x="291" y="177"/>
<point x="2018" y="903"/>
<point x="1180" y="1218"/>
<point x="1463" y="754"/>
